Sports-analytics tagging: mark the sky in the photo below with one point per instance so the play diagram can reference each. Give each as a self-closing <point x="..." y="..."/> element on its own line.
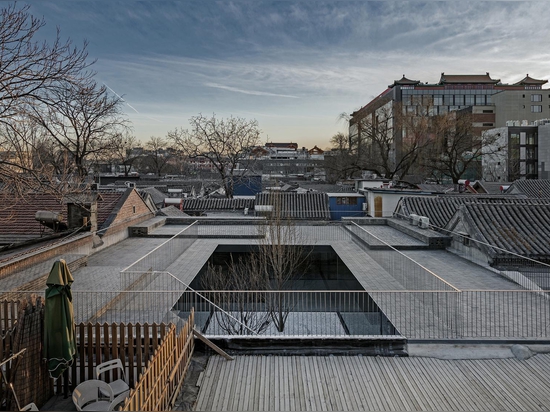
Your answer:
<point x="294" y="66"/>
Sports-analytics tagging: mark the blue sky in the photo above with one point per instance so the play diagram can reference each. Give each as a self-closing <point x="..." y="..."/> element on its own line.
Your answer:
<point x="292" y="65"/>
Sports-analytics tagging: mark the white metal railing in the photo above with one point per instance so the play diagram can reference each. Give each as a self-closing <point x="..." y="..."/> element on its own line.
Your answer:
<point x="411" y="274"/>
<point x="469" y="314"/>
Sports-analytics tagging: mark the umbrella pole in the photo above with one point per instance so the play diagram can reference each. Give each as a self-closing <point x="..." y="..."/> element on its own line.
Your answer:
<point x="66" y="383"/>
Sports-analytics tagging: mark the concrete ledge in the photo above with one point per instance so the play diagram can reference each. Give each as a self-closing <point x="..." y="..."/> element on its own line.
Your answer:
<point x="144" y="228"/>
<point x="434" y="240"/>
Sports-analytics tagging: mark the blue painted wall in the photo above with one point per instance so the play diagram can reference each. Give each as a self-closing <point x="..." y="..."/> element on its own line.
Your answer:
<point x="337" y="212"/>
<point x="247" y="185"/>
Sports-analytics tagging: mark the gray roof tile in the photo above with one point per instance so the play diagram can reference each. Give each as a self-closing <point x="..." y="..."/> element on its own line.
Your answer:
<point x="298" y="205"/>
<point x="441" y="209"/>
<point x="520" y="228"/>
<point x="532" y="188"/>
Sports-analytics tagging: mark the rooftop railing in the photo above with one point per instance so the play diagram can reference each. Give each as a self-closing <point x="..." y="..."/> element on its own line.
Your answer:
<point x="405" y="270"/>
<point x="424" y="315"/>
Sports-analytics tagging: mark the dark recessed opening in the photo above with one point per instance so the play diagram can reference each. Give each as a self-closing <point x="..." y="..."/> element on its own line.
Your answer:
<point x="324" y="298"/>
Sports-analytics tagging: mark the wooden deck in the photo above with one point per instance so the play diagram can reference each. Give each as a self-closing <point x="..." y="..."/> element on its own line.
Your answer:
<point x="331" y="383"/>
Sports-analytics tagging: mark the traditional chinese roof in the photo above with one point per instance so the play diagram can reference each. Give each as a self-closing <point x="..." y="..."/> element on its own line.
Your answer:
<point x="467" y="78"/>
<point x="316" y="149"/>
<point x="440" y="210"/>
<point x="529" y="81"/>
<point x="404" y="82"/>
<point x="282" y="145"/>
<point x="520" y="228"/>
<point x="216" y="204"/>
<point x="313" y="206"/>
<point x="532" y="188"/>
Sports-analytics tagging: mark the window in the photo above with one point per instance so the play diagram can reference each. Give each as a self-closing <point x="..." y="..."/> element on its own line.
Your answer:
<point x="469" y="99"/>
<point x="480" y="100"/>
<point x="459" y="100"/>
<point x="487" y="111"/>
<point x="346" y="200"/>
<point x="487" y="124"/>
<point x="536" y="97"/>
<point x="536" y="108"/>
<point x="133" y="209"/>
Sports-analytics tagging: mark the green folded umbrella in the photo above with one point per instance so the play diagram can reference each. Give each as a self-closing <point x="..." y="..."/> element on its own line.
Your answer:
<point x="59" y="329"/>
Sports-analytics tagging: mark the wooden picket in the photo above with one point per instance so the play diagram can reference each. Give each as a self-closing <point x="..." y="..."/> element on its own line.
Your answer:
<point x="133" y="344"/>
<point x="160" y="384"/>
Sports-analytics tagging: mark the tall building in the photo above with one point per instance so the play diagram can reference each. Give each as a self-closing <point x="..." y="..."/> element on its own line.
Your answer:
<point x="524" y="152"/>
<point x="491" y="102"/>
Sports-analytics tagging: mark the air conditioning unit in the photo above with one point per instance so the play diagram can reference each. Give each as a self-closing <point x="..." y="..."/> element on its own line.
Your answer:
<point x="424" y="222"/>
<point x="414" y="219"/>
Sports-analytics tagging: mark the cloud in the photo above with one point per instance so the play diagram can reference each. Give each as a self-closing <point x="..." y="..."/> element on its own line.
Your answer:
<point x="252" y="92"/>
<point x="290" y="59"/>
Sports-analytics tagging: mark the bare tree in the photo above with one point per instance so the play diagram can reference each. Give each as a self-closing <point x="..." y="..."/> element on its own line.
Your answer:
<point x="455" y="147"/>
<point x="269" y="273"/>
<point x="31" y="72"/>
<point x="241" y="292"/>
<point x="84" y="120"/>
<point x="282" y="256"/>
<point x="226" y="143"/>
<point x="30" y="162"/>
<point x="29" y="68"/>
<point x="122" y="151"/>
<point x="393" y="139"/>
<point x="157" y="153"/>
<point x="343" y="162"/>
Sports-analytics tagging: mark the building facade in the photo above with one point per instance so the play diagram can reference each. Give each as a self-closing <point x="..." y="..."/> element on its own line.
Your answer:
<point x="524" y="152"/>
<point x="491" y="103"/>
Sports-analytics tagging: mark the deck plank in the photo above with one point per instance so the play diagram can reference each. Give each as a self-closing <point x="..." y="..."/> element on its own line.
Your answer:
<point x="374" y="383"/>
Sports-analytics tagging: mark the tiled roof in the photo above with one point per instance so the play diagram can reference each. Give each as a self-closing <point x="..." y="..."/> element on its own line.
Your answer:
<point x="532" y="188"/>
<point x="430" y="187"/>
<point x="216" y="204"/>
<point x="527" y="80"/>
<point x="157" y="196"/>
<point x="467" y="78"/>
<point x="520" y="228"/>
<point x="441" y="209"/>
<point x="492" y="188"/>
<point x="326" y="187"/>
<point x="404" y="81"/>
<point x="106" y="203"/>
<point x="17" y="215"/>
<point x="298" y="205"/>
<point x="171" y="211"/>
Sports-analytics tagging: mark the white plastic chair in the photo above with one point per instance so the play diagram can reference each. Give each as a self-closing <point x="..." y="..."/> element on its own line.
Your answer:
<point x="30" y="407"/>
<point x="86" y="396"/>
<point x="119" y="400"/>
<point x="118" y="386"/>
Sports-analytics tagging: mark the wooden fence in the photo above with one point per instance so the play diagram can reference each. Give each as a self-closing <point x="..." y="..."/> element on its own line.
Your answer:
<point x="8" y="319"/>
<point x="160" y="384"/>
<point x="133" y="344"/>
<point x="22" y="333"/>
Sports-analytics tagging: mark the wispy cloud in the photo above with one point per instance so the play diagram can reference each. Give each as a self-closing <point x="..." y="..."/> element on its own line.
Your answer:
<point x="292" y="60"/>
<point x="251" y="92"/>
